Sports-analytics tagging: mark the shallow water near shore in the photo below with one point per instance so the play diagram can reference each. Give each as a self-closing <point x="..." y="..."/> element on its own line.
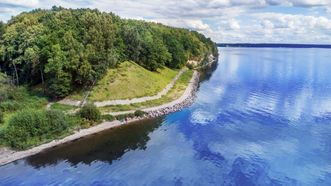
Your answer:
<point x="262" y="116"/>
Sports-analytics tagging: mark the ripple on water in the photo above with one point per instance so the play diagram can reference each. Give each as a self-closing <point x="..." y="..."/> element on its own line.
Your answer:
<point x="262" y="120"/>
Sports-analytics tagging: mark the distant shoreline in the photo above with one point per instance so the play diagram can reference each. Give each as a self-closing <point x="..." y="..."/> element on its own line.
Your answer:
<point x="273" y="45"/>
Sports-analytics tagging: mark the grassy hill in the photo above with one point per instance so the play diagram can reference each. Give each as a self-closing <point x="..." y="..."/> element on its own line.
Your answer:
<point x="129" y="80"/>
<point x="177" y="91"/>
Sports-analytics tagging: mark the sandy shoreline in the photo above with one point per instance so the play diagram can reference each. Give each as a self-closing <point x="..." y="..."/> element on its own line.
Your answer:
<point x="8" y="156"/>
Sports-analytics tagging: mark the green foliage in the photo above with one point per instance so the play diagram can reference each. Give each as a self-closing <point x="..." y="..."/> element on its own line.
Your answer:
<point x="124" y="116"/>
<point x="9" y="106"/>
<point x="65" y="49"/>
<point x="57" y="121"/>
<point x="90" y="112"/>
<point x="139" y="113"/>
<point x="108" y="117"/>
<point x="190" y="66"/>
<point x="17" y="98"/>
<point x="62" y="107"/>
<point x="1" y="116"/>
<point x="2" y="28"/>
<point x="29" y="127"/>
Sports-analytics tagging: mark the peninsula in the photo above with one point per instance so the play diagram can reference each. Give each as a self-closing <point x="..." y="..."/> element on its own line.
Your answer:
<point x="68" y="73"/>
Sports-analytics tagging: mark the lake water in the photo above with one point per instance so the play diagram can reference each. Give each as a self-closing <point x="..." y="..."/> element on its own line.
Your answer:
<point x="261" y="117"/>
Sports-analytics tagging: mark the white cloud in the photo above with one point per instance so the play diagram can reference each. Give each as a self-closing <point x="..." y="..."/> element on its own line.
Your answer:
<point x="193" y="24"/>
<point x="223" y="20"/>
<point x="23" y="3"/>
<point x="310" y="2"/>
<point x="275" y="27"/>
<point x="234" y="24"/>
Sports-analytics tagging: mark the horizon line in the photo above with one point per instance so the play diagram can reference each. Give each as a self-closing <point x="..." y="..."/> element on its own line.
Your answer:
<point x="274" y="45"/>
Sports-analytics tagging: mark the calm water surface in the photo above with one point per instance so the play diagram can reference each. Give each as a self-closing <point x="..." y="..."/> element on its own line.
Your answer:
<point x="261" y="117"/>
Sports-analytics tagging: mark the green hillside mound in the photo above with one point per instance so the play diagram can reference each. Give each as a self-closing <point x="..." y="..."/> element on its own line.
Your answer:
<point x="130" y="80"/>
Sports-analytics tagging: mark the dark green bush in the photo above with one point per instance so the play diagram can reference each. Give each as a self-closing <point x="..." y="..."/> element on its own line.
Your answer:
<point x="1" y="116"/>
<point x="17" y="93"/>
<point x="125" y="116"/>
<point x="190" y="66"/>
<point x="108" y="117"/>
<point x="10" y="105"/>
<point x="3" y="93"/>
<point x="57" y="121"/>
<point x="25" y="125"/>
<point x="90" y="112"/>
<point x="31" y="127"/>
<point x="139" y="113"/>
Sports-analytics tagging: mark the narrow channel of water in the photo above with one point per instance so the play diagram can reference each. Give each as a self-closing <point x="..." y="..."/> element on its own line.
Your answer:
<point x="262" y="117"/>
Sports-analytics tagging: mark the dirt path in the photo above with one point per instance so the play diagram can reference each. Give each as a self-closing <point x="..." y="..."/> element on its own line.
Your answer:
<point x="188" y="91"/>
<point x="129" y="101"/>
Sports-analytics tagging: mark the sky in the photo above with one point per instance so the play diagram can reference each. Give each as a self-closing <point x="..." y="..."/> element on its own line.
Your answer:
<point x="225" y="21"/>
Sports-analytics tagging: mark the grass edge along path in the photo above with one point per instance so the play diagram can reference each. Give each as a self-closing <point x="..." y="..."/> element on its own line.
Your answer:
<point x="146" y="98"/>
<point x="183" y="88"/>
<point x="164" y="91"/>
<point x="128" y="77"/>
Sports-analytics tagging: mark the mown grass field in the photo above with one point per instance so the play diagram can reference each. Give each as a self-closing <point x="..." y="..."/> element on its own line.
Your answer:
<point x="128" y="81"/>
<point x="177" y="91"/>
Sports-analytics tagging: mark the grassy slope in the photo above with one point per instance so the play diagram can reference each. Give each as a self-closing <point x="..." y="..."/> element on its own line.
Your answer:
<point x="129" y="80"/>
<point x="173" y="94"/>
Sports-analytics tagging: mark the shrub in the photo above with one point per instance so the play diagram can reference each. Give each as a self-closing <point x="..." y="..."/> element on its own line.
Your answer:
<point x="139" y="113"/>
<point x="108" y="117"/>
<point x="3" y="93"/>
<point x="90" y="112"/>
<point x="30" y="127"/>
<point x="18" y="93"/>
<point x="57" y="121"/>
<point x="1" y="116"/>
<point x="189" y="66"/>
<point x="23" y="126"/>
<point x="124" y="116"/>
<point x="10" y="105"/>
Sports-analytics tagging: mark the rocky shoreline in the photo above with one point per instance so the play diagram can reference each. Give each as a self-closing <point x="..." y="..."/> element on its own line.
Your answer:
<point x="8" y="156"/>
<point x="189" y="99"/>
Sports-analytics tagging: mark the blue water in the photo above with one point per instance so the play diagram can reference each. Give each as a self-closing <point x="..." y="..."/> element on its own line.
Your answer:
<point x="261" y="117"/>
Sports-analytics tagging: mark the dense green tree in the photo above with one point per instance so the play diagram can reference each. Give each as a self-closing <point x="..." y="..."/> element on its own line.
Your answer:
<point x="63" y="49"/>
<point x="59" y="80"/>
<point x="2" y="28"/>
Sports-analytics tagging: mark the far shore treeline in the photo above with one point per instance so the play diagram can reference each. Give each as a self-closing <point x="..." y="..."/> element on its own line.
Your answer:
<point x="65" y="49"/>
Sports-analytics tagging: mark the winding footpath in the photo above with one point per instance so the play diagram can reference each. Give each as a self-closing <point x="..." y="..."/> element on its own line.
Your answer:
<point x="7" y="156"/>
<point x="128" y="101"/>
<point x="171" y="106"/>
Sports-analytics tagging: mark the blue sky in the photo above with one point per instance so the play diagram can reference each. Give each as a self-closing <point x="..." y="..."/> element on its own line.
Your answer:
<point x="266" y="21"/>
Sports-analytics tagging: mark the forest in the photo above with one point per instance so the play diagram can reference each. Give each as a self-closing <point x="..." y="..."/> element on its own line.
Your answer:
<point x="61" y="49"/>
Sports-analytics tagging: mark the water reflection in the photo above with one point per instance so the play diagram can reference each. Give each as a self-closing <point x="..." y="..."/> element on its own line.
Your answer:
<point x="106" y="146"/>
